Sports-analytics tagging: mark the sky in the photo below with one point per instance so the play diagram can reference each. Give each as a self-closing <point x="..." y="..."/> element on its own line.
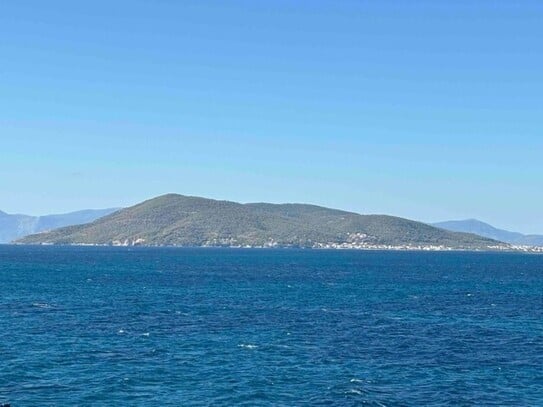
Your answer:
<point x="430" y="110"/>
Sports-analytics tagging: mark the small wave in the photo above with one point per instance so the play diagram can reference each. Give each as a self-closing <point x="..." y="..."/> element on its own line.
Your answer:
<point x="354" y="391"/>
<point x="247" y="346"/>
<point x="41" y="305"/>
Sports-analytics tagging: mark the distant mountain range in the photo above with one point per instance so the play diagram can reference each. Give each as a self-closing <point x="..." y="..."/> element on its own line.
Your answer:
<point x="179" y="220"/>
<point x="13" y="227"/>
<point x="484" y="229"/>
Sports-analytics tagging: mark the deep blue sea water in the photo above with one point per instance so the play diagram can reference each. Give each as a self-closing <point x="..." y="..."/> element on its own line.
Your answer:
<point x="120" y="326"/>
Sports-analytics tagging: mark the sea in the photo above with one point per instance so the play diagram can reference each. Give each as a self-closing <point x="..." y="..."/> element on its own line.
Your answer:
<point x="105" y="326"/>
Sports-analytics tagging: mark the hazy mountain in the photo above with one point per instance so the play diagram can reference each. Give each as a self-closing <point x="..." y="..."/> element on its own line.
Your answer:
<point x="16" y="226"/>
<point x="484" y="229"/>
<point x="192" y="221"/>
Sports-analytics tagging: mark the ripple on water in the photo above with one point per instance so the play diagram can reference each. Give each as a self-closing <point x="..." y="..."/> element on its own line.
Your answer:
<point x="227" y="327"/>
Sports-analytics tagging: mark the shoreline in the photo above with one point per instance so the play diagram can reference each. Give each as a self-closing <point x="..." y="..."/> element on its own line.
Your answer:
<point x="401" y="248"/>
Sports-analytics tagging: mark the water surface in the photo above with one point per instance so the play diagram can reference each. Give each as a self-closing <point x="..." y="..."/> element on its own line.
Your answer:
<point x="120" y="326"/>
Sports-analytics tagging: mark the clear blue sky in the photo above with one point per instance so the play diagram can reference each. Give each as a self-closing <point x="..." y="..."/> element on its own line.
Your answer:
<point x="430" y="110"/>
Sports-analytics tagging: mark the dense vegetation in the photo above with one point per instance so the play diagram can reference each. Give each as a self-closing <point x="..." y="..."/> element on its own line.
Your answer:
<point x="192" y="221"/>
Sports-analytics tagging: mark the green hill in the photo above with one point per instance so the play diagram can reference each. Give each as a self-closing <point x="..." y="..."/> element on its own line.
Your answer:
<point x="179" y="220"/>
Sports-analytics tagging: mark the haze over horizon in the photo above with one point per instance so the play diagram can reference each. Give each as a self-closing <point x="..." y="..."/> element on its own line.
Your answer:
<point x="424" y="110"/>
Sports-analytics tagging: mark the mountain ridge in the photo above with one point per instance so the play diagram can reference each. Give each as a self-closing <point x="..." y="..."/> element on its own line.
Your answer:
<point x="180" y="220"/>
<point x="16" y="226"/>
<point x="486" y="230"/>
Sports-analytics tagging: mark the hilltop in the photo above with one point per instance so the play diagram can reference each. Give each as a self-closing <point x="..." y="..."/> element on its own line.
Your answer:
<point x="179" y="220"/>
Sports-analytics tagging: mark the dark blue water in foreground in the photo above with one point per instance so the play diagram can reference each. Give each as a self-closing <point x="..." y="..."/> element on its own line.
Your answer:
<point x="118" y="326"/>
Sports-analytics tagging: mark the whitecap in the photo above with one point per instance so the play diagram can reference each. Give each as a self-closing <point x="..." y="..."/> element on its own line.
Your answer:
<point x="41" y="305"/>
<point x="247" y="346"/>
<point x="354" y="391"/>
<point x="146" y="334"/>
